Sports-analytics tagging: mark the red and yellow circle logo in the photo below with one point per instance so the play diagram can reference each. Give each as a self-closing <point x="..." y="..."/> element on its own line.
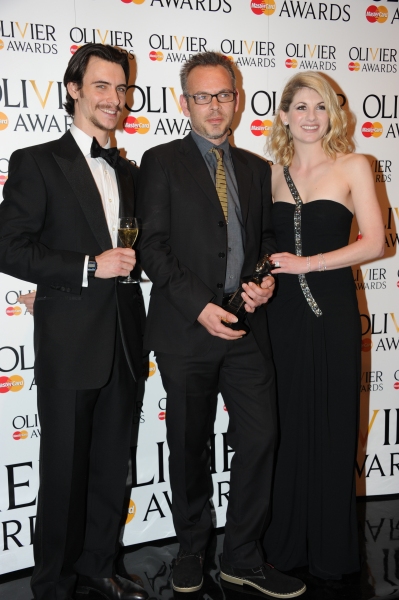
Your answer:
<point x="22" y="434"/>
<point x="376" y="14"/>
<point x="3" y="179"/>
<point x="291" y="63"/>
<point x="3" y="121"/>
<point x="131" y="512"/>
<point x="367" y="344"/>
<point x="372" y="129"/>
<point x="263" y="7"/>
<point x="73" y="48"/>
<point x="14" y="383"/>
<point x="162" y="415"/>
<point x="1" y="44"/>
<point x="396" y="385"/>
<point x="156" y="55"/>
<point x="259" y="127"/>
<point x="133" y="1"/>
<point x="152" y="368"/>
<point x="354" y="66"/>
<point x="136" y="125"/>
<point x="13" y="311"/>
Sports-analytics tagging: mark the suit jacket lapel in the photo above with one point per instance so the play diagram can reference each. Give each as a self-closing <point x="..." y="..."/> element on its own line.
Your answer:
<point x="192" y="159"/>
<point x="126" y="190"/>
<point x="244" y="181"/>
<point x="76" y="170"/>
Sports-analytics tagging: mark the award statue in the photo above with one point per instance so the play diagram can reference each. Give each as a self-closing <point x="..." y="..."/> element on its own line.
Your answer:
<point x="235" y="304"/>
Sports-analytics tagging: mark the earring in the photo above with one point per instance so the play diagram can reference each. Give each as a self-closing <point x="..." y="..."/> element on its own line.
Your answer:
<point x="286" y="124"/>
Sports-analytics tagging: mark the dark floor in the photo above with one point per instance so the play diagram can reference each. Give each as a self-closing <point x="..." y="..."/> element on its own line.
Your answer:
<point x="379" y="537"/>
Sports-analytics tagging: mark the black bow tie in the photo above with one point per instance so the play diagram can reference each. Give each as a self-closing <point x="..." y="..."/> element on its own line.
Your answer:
<point x="108" y="154"/>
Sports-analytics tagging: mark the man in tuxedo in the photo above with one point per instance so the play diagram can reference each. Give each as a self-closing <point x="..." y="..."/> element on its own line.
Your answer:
<point x="206" y="223"/>
<point x="58" y="229"/>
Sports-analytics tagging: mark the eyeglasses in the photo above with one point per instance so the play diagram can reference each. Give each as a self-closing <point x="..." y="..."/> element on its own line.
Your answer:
<point x="207" y="98"/>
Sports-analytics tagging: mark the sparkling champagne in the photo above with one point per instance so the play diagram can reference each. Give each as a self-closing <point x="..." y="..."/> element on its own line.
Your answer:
<point x="128" y="236"/>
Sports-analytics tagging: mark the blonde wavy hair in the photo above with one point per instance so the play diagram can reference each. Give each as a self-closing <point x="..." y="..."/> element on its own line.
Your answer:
<point x="280" y="143"/>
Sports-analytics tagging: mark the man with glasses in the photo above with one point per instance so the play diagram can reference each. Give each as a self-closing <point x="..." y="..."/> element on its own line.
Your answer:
<point x="205" y="207"/>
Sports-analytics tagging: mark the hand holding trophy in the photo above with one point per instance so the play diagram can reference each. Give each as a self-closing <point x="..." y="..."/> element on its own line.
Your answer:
<point x="235" y="304"/>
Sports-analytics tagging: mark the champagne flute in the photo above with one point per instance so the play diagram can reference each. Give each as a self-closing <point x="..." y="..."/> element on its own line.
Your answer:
<point x="128" y="231"/>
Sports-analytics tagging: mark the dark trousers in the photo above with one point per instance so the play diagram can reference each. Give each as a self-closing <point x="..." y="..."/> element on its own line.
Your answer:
<point x="85" y="436"/>
<point x="246" y="381"/>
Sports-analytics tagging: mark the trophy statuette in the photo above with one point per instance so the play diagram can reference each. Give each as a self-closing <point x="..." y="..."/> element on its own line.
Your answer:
<point x="235" y="304"/>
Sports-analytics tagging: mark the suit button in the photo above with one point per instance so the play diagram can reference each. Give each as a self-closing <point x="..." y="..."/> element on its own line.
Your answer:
<point x="221" y="255"/>
<point x="221" y="223"/>
<point x="219" y="285"/>
<point x="62" y="289"/>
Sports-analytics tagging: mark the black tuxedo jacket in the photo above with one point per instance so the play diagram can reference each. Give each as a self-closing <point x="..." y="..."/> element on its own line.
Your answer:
<point x="50" y="218"/>
<point x="183" y="246"/>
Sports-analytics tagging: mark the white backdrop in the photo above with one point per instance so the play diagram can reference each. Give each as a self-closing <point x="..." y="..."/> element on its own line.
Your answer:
<point x="354" y="42"/>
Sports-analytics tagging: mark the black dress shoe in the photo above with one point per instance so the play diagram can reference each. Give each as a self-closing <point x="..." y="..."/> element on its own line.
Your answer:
<point x="116" y="588"/>
<point x="188" y="571"/>
<point x="265" y="579"/>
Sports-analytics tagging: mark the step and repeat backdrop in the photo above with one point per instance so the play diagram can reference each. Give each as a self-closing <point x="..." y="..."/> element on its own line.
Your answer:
<point x="355" y="44"/>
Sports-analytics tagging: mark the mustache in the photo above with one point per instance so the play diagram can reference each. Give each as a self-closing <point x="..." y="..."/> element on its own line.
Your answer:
<point x="109" y="107"/>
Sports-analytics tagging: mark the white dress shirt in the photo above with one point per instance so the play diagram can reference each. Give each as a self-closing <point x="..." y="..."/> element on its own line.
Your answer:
<point x="105" y="178"/>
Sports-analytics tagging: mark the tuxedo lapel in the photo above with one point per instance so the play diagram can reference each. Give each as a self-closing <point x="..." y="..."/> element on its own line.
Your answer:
<point x="193" y="161"/>
<point x="126" y="190"/>
<point x="76" y="170"/>
<point x="244" y="181"/>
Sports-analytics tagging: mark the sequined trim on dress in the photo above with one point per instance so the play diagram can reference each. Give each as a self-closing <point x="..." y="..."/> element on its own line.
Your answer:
<point x="298" y="241"/>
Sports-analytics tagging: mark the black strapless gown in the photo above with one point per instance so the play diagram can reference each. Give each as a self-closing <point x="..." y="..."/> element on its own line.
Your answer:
<point x="318" y="380"/>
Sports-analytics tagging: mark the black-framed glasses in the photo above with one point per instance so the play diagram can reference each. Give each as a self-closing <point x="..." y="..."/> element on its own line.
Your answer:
<point x="207" y="98"/>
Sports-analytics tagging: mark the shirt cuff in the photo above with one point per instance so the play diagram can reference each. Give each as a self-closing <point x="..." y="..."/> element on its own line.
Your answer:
<point x="85" y="281"/>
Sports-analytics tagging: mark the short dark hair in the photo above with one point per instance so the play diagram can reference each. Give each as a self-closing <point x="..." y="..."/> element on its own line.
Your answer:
<point x="77" y="66"/>
<point x="206" y="59"/>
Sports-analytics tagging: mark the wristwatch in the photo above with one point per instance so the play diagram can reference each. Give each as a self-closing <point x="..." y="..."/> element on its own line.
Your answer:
<point x="91" y="266"/>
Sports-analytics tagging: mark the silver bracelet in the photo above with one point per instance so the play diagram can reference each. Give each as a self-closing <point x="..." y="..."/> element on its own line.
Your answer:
<point x="322" y="262"/>
<point x="308" y="264"/>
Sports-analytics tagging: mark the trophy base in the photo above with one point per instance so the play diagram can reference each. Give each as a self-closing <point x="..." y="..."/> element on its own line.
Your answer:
<point x="239" y="326"/>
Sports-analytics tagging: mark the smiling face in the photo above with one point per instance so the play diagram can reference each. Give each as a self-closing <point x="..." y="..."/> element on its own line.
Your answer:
<point x="307" y="116"/>
<point x="100" y="100"/>
<point x="211" y="121"/>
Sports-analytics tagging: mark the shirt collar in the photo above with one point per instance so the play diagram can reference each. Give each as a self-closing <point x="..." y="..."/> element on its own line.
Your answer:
<point x="205" y="145"/>
<point x="83" y="140"/>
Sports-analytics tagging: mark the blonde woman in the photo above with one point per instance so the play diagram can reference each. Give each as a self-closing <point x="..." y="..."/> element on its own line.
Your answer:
<point x="318" y="184"/>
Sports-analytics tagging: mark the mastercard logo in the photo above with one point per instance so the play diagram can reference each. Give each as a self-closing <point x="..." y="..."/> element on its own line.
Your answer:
<point x="396" y="385"/>
<point x="377" y="14"/>
<point x="1" y="44"/>
<point x="372" y="129"/>
<point x="3" y="121"/>
<point x="73" y="48"/>
<point x="20" y="435"/>
<point x="259" y="127"/>
<point x="162" y="415"/>
<point x="131" y="512"/>
<point x="136" y="125"/>
<point x="133" y="1"/>
<point x="15" y="383"/>
<point x="3" y="179"/>
<point x="13" y="311"/>
<point x="354" y="66"/>
<point x="367" y="344"/>
<point x="291" y="63"/>
<point x="156" y="55"/>
<point x="263" y="7"/>
<point x="152" y="369"/>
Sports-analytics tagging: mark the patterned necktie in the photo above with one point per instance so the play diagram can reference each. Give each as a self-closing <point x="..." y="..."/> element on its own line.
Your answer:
<point x="110" y="155"/>
<point x="220" y="180"/>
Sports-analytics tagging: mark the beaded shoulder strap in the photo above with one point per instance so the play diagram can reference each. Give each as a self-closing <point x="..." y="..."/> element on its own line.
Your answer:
<point x="298" y="241"/>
